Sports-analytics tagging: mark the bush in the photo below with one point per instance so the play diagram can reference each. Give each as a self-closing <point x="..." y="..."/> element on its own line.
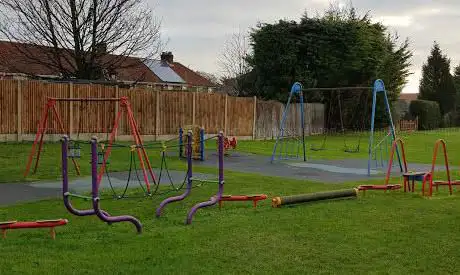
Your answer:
<point x="428" y="113"/>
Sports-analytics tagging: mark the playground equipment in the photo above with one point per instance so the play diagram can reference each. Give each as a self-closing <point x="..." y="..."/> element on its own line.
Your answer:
<point x="4" y="226"/>
<point x="197" y="143"/>
<point x="190" y="179"/>
<point x="95" y="210"/>
<point x="290" y="143"/>
<point x="253" y="198"/>
<point x="303" y="198"/>
<point x="339" y="120"/>
<point x="229" y="143"/>
<point x="379" y="88"/>
<point x="409" y="177"/>
<point x="74" y="146"/>
<point x="449" y="182"/>
<point x="339" y="115"/>
<point x="364" y="188"/>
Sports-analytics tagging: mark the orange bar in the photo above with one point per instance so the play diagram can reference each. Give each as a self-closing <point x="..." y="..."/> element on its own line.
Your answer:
<point x="253" y="198"/>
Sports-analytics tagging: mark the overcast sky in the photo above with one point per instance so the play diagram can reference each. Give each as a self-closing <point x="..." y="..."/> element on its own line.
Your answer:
<point x="197" y="30"/>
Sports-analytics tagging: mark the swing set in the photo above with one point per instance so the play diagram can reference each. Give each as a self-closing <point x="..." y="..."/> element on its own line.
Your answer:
<point x="50" y="113"/>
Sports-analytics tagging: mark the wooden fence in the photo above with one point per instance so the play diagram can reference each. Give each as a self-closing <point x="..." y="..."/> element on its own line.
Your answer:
<point x="159" y="113"/>
<point x="408" y="125"/>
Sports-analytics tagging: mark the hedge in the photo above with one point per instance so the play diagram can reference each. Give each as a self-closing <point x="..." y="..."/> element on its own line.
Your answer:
<point x="428" y="113"/>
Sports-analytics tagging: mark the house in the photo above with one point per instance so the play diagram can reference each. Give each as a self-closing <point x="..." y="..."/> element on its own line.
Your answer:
<point x="403" y="104"/>
<point x="408" y="97"/>
<point x="26" y="61"/>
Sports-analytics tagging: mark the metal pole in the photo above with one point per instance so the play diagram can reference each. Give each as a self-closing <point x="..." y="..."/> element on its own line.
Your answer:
<point x="189" y="179"/>
<point x="95" y="194"/>
<point x="213" y="200"/>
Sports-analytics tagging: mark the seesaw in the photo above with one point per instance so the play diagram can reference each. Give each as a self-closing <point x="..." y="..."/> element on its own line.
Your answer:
<point x="4" y="226"/>
<point x="253" y="198"/>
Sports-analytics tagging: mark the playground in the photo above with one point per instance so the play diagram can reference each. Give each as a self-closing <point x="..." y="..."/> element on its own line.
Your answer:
<point x="209" y="202"/>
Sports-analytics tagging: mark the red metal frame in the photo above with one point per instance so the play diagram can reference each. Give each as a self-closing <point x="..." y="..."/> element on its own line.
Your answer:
<point x="449" y="181"/>
<point x="4" y="226"/>
<point x="125" y="106"/>
<point x="394" y="147"/>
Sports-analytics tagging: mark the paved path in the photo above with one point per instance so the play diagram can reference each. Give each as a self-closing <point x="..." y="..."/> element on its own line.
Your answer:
<point x="331" y="171"/>
<point x="327" y="171"/>
<point x="11" y="193"/>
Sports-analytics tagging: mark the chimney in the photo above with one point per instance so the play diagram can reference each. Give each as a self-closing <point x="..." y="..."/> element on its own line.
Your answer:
<point x="167" y="57"/>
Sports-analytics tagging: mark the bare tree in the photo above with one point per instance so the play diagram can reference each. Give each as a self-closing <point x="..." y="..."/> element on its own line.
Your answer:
<point x="85" y="39"/>
<point x="214" y="79"/>
<point x="233" y="64"/>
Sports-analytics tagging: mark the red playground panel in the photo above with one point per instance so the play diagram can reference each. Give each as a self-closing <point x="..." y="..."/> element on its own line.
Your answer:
<point x="4" y="226"/>
<point x="253" y="198"/>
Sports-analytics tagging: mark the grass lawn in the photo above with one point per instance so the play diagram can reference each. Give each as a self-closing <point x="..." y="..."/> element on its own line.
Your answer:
<point x="379" y="233"/>
<point x="393" y="233"/>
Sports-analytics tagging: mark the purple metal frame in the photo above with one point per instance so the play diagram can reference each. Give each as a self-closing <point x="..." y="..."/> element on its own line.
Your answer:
<point x="215" y="199"/>
<point x="103" y="215"/>
<point x="189" y="179"/>
<point x="65" y="182"/>
<point x="95" y="194"/>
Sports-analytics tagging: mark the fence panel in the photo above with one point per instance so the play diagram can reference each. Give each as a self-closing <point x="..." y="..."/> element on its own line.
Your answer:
<point x="240" y="116"/>
<point x="210" y="112"/>
<point x="143" y="104"/>
<point x="9" y="107"/>
<point x="34" y="98"/>
<point x="93" y="117"/>
<point x="176" y="110"/>
<point x="268" y="119"/>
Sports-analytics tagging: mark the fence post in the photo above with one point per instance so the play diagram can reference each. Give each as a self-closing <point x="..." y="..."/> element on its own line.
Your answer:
<point x="71" y="110"/>
<point x="254" y="119"/>
<point x="157" y="116"/>
<point x="193" y="107"/>
<point x="19" y="110"/>
<point x="117" y="108"/>
<point x="225" y="115"/>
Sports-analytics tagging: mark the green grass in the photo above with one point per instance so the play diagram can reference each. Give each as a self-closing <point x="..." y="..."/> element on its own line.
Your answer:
<point x="393" y="233"/>
<point x="419" y="145"/>
<point x="379" y="233"/>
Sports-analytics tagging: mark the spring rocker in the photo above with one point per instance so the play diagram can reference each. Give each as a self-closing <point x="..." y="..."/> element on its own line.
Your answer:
<point x="409" y="177"/>
<point x="304" y="198"/>
<point x="190" y="179"/>
<point x="197" y="142"/>
<point x="96" y="209"/>
<point x="253" y="198"/>
<point x="4" y="226"/>
<point x="229" y="143"/>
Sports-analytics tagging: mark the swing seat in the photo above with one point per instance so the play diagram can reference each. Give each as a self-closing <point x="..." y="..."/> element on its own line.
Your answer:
<point x="351" y="150"/>
<point x="100" y="158"/>
<point x="317" y="148"/>
<point x="74" y="151"/>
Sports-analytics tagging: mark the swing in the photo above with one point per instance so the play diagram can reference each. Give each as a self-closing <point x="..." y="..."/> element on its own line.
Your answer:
<point x="347" y="148"/>
<point x="74" y="150"/>
<point x="322" y="146"/>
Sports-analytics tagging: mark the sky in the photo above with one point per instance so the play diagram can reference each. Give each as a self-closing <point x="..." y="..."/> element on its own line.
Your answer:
<point x="196" y="31"/>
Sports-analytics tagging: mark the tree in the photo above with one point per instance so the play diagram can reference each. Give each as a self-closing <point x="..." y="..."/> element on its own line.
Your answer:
<point x="336" y="49"/>
<point x="233" y="63"/>
<point x="85" y="39"/>
<point x="437" y="83"/>
<point x="211" y="77"/>
<point x="456" y="79"/>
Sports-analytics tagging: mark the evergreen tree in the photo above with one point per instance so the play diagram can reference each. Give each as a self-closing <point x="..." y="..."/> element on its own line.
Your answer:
<point x="437" y="83"/>
<point x="456" y="78"/>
